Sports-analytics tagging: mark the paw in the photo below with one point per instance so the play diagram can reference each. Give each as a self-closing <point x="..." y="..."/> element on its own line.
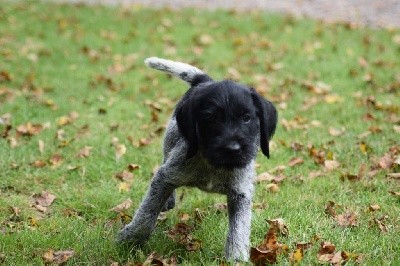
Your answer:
<point x="128" y="235"/>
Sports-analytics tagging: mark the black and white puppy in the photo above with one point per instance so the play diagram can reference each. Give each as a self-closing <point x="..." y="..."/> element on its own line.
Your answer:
<point x="210" y="143"/>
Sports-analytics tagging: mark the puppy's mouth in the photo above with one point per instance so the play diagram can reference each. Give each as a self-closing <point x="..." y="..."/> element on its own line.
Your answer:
<point x="228" y="159"/>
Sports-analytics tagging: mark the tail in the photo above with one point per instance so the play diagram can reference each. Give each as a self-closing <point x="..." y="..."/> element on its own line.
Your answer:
<point x="186" y="72"/>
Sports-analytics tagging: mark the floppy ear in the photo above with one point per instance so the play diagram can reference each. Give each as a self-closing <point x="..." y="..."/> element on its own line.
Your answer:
<point x="268" y="117"/>
<point x="187" y="125"/>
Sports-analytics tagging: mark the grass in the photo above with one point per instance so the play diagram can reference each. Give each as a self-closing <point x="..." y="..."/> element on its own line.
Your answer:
<point x="58" y="59"/>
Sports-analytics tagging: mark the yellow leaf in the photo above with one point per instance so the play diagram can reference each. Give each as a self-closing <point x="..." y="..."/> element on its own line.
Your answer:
<point x="124" y="187"/>
<point x="296" y="256"/>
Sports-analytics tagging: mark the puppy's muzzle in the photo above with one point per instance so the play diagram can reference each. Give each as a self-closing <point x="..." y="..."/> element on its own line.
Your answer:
<point x="232" y="147"/>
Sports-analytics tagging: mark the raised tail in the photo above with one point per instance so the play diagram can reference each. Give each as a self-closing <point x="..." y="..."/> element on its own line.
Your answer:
<point x="186" y="72"/>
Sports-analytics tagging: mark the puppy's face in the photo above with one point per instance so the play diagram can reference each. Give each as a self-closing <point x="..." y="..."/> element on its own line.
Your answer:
<point x="222" y="120"/>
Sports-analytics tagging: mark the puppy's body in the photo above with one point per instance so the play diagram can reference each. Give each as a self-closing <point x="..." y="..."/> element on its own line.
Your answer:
<point x="210" y="143"/>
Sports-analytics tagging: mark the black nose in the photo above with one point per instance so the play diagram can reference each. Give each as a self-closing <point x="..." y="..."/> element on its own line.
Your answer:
<point x="233" y="147"/>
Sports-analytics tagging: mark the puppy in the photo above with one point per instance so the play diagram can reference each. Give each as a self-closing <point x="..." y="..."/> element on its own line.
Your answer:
<point x="210" y="143"/>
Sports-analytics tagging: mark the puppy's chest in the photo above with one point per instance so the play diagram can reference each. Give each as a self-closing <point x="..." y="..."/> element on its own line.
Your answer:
<point x="206" y="178"/>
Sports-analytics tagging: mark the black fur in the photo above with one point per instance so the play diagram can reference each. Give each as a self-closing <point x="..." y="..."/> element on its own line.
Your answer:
<point x="222" y="120"/>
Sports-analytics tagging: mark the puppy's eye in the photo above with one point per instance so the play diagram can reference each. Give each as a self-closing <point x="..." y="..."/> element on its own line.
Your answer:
<point x="246" y="118"/>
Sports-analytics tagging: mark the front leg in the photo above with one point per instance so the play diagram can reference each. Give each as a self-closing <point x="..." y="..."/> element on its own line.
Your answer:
<point x="145" y="218"/>
<point x="238" y="240"/>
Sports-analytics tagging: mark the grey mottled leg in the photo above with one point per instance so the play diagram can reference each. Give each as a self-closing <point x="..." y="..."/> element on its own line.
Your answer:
<point x="170" y="204"/>
<point x="139" y="230"/>
<point x="239" y="209"/>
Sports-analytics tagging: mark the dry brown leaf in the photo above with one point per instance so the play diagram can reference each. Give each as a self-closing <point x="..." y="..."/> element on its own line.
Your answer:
<point x="303" y="245"/>
<point x="295" y="161"/>
<point x="262" y="257"/>
<point x="280" y="226"/>
<point x="120" y="150"/>
<point x="331" y="165"/>
<point x="264" y="177"/>
<point x="132" y="167"/>
<point x="184" y="217"/>
<point x="270" y="178"/>
<point x="394" y="175"/>
<point x="395" y="193"/>
<point x="347" y="219"/>
<point x="56" y="160"/>
<point x="330" y="208"/>
<point x="62" y="256"/>
<point x="45" y="199"/>
<point x="29" y="129"/>
<point x="335" y="132"/>
<point x="84" y="152"/>
<point x="268" y="250"/>
<point x="380" y="222"/>
<point x="326" y="247"/>
<point x="124" y="176"/>
<point x="220" y="206"/>
<point x="272" y="187"/>
<point x="374" y="207"/>
<point x="155" y="259"/>
<point x="122" y="206"/>
<point x="387" y="161"/>
<point x="38" y="164"/>
<point x="181" y="235"/>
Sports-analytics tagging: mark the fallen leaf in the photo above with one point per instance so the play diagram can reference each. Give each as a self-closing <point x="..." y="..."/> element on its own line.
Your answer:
<point x="29" y="129"/>
<point x="296" y="256"/>
<point x="295" y="161"/>
<point x="335" y="132"/>
<point x="84" y="152"/>
<point x="387" y="161"/>
<point x="57" y="257"/>
<point x="303" y="245"/>
<point x="124" y="187"/>
<point x="380" y="222"/>
<point x="280" y="225"/>
<point x="365" y="148"/>
<point x="267" y="252"/>
<point x="56" y="160"/>
<point x="330" y="208"/>
<point x="181" y="235"/>
<point x="262" y="257"/>
<point x="331" y="165"/>
<point x="347" y="219"/>
<point x="122" y="206"/>
<point x="45" y="199"/>
<point x="272" y="187"/>
<point x="395" y="193"/>
<point x="120" y="150"/>
<point x="5" y="76"/>
<point x="124" y="176"/>
<point x="38" y="164"/>
<point x="374" y="207"/>
<point x="393" y="175"/>
<point x="184" y="217"/>
<point x="270" y="178"/>
<point x="333" y="98"/>
<point x="41" y="146"/>
<point x="133" y="167"/>
<point x="220" y="206"/>
<point x="326" y="247"/>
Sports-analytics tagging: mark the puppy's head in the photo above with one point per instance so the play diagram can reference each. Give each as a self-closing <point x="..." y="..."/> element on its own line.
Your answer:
<point x="224" y="120"/>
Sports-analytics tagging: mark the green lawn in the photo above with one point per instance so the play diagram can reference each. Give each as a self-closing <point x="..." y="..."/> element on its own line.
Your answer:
<point x="73" y="77"/>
